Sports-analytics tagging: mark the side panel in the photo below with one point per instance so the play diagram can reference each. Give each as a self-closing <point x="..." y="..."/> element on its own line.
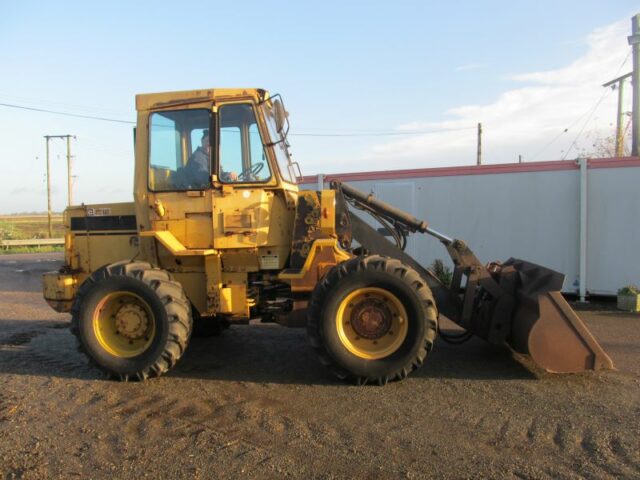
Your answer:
<point x="240" y="218"/>
<point x="187" y="215"/>
<point x="99" y="234"/>
<point x="252" y="222"/>
<point x="93" y="252"/>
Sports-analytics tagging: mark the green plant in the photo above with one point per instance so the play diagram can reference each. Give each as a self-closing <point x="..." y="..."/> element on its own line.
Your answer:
<point x="441" y="271"/>
<point x="629" y="290"/>
<point x="7" y="231"/>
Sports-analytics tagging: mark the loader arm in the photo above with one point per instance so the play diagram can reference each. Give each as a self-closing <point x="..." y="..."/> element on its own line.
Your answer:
<point x="516" y="302"/>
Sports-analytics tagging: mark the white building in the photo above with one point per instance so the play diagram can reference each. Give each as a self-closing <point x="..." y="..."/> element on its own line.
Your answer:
<point x="530" y="211"/>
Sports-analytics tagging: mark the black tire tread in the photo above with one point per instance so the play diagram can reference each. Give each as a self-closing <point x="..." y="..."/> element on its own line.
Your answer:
<point x="172" y="297"/>
<point x="362" y="264"/>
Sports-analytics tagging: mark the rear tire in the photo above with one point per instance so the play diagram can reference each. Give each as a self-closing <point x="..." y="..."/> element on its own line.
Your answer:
<point x="132" y="320"/>
<point x="372" y="319"/>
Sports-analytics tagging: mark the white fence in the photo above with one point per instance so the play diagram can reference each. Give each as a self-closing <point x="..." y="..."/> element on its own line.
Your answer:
<point x="31" y="242"/>
<point x="530" y="211"/>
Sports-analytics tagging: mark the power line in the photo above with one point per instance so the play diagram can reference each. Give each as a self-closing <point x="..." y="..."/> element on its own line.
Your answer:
<point x="91" y="117"/>
<point x="589" y="112"/>
<point x="550" y="143"/>
<point x="381" y="134"/>
<point x="304" y="134"/>
<point x="65" y="106"/>
<point x="593" y="110"/>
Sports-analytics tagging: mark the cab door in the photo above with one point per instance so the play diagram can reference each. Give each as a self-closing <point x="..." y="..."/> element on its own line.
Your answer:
<point x="180" y="174"/>
<point x="245" y="198"/>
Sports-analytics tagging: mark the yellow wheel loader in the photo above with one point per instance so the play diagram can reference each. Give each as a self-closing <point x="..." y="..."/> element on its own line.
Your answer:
<point x="219" y="233"/>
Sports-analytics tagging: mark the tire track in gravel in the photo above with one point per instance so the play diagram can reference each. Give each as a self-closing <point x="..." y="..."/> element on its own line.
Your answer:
<point x="598" y="448"/>
<point x="244" y="424"/>
<point x="604" y="443"/>
<point x="256" y="426"/>
<point x="3" y="407"/>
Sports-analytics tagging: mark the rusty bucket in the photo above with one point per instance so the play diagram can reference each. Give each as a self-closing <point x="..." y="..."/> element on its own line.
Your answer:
<point x="545" y="327"/>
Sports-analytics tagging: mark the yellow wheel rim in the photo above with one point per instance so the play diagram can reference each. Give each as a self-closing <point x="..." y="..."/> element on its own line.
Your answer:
<point x="372" y="323"/>
<point x="124" y="324"/>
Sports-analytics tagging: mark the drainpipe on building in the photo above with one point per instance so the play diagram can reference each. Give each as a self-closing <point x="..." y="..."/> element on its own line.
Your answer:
<point x="320" y="181"/>
<point x="583" y="162"/>
<point x="634" y="41"/>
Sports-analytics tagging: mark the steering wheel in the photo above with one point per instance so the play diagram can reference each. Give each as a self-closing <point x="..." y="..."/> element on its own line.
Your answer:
<point x="252" y="171"/>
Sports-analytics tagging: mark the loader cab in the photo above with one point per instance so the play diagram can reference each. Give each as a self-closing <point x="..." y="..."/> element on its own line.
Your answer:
<point x="213" y="173"/>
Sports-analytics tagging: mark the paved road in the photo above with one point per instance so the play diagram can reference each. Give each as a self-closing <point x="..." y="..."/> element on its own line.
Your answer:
<point x="256" y="402"/>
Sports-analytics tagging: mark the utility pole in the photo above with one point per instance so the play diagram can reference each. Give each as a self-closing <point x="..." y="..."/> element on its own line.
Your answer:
<point x="69" y="177"/>
<point x="634" y="41"/>
<point x="69" y="181"/>
<point x="48" y="188"/>
<point x="620" y="122"/>
<point x="69" y="157"/>
<point x="619" y="84"/>
<point x="479" y="154"/>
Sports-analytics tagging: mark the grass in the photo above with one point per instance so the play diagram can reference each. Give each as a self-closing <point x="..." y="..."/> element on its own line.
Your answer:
<point x="629" y="290"/>
<point x="24" y="227"/>
<point x="43" y="249"/>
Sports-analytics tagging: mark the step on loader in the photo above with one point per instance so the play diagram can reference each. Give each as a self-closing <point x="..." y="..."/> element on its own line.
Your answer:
<point x="219" y="233"/>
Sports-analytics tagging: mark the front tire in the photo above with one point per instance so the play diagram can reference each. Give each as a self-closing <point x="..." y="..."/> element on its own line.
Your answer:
<point x="132" y="320"/>
<point x="372" y="319"/>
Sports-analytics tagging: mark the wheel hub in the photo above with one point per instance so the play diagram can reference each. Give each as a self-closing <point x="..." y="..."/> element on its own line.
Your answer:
<point x="371" y="323"/>
<point x="131" y="321"/>
<point x="371" y="319"/>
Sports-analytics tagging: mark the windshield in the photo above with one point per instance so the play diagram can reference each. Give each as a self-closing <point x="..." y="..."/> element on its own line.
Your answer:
<point x="241" y="149"/>
<point x="278" y="142"/>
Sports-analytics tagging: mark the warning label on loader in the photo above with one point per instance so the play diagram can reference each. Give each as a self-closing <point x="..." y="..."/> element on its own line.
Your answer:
<point x="268" y="262"/>
<point x="98" y="212"/>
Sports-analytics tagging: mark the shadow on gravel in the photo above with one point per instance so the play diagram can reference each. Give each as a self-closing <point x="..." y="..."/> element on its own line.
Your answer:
<point x="278" y="355"/>
<point x="12" y="329"/>
<point x="256" y="353"/>
<point x="42" y="348"/>
<point x="473" y="360"/>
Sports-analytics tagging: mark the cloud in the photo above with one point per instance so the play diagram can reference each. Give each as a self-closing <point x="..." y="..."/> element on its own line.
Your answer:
<point x="42" y="190"/>
<point x="525" y="119"/>
<point x="469" y="66"/>
<point x="24" y="190"/>
<point x="607" y="49"/>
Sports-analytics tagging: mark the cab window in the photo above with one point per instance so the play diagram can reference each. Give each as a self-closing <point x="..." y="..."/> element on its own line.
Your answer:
<point x="242" y="155"/>
<point x="179" y="151"/>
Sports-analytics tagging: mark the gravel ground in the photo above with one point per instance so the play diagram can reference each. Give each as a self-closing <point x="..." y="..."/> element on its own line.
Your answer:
<point x="256" y="403"/>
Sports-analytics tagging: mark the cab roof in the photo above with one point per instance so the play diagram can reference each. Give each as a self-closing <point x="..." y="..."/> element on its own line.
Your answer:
<point x="150" y="101"/>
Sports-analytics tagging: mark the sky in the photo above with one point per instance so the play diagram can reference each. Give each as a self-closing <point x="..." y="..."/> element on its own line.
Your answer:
<point x="369" y="85"/>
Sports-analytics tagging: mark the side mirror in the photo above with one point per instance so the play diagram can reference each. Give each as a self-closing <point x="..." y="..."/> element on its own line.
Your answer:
<point x="280" y="115"/>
